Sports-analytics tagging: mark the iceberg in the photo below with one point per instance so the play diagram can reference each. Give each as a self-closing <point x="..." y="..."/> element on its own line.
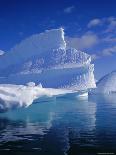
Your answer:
<point x="15" y="96"/>
<point x="44" y="58"/>
<point x="106" y="84"/>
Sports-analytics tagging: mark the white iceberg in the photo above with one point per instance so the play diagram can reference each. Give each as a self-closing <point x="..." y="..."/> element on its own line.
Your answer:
<point x="44" y="58"/>
<point x="106" y="84"/>
<point x="14" y="96"/>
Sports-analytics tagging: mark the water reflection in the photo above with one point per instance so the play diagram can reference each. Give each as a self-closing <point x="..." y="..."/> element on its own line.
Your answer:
<point x="65" y="125"/>
<point x="24" y="123"/>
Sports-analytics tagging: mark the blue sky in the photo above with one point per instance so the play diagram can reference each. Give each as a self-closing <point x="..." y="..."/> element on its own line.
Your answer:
<point x="92" y="23"/>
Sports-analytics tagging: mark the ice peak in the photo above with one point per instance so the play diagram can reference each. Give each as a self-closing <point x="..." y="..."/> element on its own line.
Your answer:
<point x="53" y="39"/>
<point x="43" y="57"/>
<point x="60" y="32"/>
<point x="36" y="44"/>
<point x="107" y="84"/>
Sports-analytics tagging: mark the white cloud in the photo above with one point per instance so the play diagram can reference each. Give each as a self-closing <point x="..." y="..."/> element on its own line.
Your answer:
<point x="102" y="39"/>
<point x="110" y="39"/>
<point x="69" y="9"/>
<point x="110" y="19"/>
<point x="109" y="22"/>
<point x="1" y="52"/>
<point x="94" y="22"/>
<point x="107" y="33"/>
<point x="112" y="24"/>
<point x="105" y="52"/>
<point x="106" y="37"/>
<point x="109" y="51"/>
<point x="85" y="41"/>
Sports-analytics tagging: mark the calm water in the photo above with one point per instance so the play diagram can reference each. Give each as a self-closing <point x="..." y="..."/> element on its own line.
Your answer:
<point x="65" y="125"/>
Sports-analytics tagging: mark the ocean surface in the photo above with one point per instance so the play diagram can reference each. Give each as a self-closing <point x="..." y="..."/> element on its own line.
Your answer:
<point x="65" y="125"/>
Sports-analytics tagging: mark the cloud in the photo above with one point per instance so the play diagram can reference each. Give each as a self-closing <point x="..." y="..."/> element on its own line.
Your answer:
<point x="85" y="41"/>
<point x="112" y="24"/>
<point x="109" y="51"/>
<point x="109" y="39"/>
<point x="109" y="23"/>
<point x="95" y="40"/>
<point x="69" y="9"/>
<point x="94" y="22"/>
<point x="1" y="52"/>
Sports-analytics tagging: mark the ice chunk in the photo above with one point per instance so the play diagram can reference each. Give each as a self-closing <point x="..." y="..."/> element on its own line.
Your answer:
<point x="13" y="96"/>
<point x="106" y="84"/>
<point x="31" y="84"/>
<point x="44" y="58"/>
<point x="75" y="78"/>
<point x="40" y="85"/>
<point x="34" y="45"/>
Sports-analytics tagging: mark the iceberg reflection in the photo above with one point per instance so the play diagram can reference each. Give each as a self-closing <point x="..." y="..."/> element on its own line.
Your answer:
<point x="49" y="126"/>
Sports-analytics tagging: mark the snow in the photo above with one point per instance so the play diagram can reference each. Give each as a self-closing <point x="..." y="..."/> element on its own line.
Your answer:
<point x="14" y="96"/>
<point x="106" y="84"/>
<point x="31" y="84"/>
<point x="44" y="58"/>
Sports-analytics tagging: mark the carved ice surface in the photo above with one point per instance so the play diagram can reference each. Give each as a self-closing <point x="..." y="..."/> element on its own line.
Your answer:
<point x="44" y="58"/>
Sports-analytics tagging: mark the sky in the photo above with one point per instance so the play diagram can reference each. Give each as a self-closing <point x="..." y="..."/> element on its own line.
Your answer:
<point x="90" y="25"/>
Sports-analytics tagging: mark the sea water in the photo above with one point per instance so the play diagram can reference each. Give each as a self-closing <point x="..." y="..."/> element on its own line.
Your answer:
<point x="66" y="125"/>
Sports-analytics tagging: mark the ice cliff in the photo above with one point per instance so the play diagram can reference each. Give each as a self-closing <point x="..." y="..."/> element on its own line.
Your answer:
<point x="44" y="58"/>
